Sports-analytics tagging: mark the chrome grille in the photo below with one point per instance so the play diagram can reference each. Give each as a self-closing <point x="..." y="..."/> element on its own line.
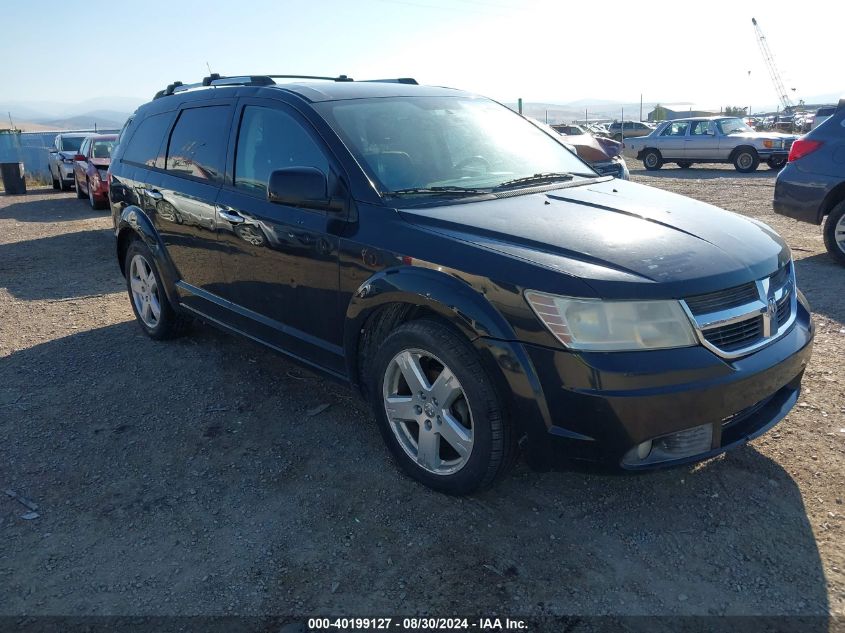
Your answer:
<point x="741" y="319"/>
<point x="722" y="300"/>
<point x="736" y="335"/>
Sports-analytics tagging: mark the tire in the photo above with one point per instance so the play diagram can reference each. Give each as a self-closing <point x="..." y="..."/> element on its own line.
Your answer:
<point x="834" y="233"/>
<point x="63" y="186"/>
<point x="79" y="194"/>
<point x="652" y="160"/>
<point x="169" y="323"/>
<point x="683" y="164"/>
<point x="95" y="204"/>
<point x="776" y="163"/>
<point x="746" y="161"/>
<point x="55" y="180"/>
<point x="617" y="137"/>
<point x="471" y="442"/>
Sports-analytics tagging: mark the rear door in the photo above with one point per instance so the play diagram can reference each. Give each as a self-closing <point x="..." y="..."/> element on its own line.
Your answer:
<point x="182" y="195"/>
<point x="281" y="262"/>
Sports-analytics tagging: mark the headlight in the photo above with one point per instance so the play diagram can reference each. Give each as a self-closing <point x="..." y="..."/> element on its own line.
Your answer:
<point x="596" y="325"/>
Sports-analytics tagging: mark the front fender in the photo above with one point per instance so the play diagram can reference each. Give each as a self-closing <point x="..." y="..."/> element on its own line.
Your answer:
<point x="134" y="223"/>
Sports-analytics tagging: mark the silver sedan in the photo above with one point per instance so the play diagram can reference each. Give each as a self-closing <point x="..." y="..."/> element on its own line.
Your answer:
<point x="710" y="140"/>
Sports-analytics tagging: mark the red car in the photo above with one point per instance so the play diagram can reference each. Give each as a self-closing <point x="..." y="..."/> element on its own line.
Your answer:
<point x="90" y="167"/>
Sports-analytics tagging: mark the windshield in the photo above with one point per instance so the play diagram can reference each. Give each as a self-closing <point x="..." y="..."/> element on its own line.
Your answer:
<point x="102" y="149"/>
<point x="732" y="126"/>
<point x="72" y="143"/>
<point x="436" y="143"/>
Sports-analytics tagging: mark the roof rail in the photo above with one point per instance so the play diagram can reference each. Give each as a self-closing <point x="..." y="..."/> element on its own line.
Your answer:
<point x="216" y="79"/>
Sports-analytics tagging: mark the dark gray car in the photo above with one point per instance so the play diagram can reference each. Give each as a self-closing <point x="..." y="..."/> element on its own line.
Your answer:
<point x="812" y="185"/>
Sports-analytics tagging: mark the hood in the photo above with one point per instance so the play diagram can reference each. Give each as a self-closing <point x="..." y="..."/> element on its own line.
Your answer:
<point x="643" y="241"/>
<point x="751" y="136"/>
<point x="66" y="154"/>
<point x="592" y="149"/>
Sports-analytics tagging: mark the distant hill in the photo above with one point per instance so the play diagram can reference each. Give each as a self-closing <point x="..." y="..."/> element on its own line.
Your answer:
<point x="101" y="120"/>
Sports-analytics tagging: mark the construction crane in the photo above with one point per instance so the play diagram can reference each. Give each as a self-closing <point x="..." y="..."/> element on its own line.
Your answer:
<point x="785" y="101"/>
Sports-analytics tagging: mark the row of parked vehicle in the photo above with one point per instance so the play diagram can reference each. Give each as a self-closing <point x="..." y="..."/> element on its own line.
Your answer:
<point x="81" y="161"/>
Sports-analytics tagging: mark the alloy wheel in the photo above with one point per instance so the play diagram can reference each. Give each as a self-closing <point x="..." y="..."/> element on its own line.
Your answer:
<point x="428" y="411"/>
<point x="839" y="233"/>
<point x="145" y="292"/>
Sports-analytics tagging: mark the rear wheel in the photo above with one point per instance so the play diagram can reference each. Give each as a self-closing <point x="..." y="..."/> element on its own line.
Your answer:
<point x="152" y="309"/>
<point x="776" y="163"/>
<point x="438" y="410"/>
<point x="834" y="233"/>
<point x="652" y="160"/>
<point x="746" y="160"/>
<point x="684" y="164"/>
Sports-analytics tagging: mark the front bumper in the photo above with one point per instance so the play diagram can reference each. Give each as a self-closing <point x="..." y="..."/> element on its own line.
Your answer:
<point x="66" y="170"/>
<point x="602" y="406"/>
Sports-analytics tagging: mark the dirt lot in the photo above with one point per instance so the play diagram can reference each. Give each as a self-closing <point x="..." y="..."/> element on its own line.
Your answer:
<point x="189" y="478"/>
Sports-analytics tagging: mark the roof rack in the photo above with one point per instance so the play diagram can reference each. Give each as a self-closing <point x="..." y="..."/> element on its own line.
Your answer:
<point x="216" y="79"/>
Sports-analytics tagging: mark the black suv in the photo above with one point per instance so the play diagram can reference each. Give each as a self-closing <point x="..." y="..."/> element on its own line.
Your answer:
<point x="481" y="285"/>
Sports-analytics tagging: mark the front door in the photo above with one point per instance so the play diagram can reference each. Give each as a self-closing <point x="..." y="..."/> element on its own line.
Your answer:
<point x="702" y="143"/>
<point x="281" y="262"/>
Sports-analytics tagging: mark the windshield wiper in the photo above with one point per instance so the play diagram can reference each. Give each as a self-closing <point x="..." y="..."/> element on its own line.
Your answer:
<point x="537" y="179"/>
<point x="435" y="190"/>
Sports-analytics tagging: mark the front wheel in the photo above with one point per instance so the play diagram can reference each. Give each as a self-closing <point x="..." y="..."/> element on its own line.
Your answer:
<point x="438" y="410"/>
<point x="746" y="161"/>
<point x="652" y="160"/>
<point x="55" y="180"/>
<point x="776" y="163"/>
<point x="152" y="309"/>
<point x="834" y="233"/>
<point x="683" y="164"/>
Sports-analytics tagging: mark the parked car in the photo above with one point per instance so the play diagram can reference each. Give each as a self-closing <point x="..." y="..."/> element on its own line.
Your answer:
<point x="812" y="185"/>
<point x="629" y="129"/>
<point x="603" y="155"/>
<point x="822" y="115"/>
<point x="481" y="286"/>
<point x="91" y="167"/>
<point x="570" y="129"/>
<point x="61" y="158"/>
<point x="710" y="140"/>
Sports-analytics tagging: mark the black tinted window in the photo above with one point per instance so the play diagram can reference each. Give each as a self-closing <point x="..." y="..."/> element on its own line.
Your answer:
<point x="198" y="143"/>
<point x="270" y="139"/>
<point x="145" y="144"/>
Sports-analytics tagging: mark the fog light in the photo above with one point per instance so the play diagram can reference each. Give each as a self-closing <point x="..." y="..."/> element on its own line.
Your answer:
<point x="644" y="449"/>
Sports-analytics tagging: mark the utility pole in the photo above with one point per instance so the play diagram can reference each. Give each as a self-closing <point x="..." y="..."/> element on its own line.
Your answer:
<point x="641" y="106"/>
<point x="519" y="104"/>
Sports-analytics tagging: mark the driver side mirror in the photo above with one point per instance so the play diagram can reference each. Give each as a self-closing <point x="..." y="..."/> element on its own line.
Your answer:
<point x="305" y="187"/>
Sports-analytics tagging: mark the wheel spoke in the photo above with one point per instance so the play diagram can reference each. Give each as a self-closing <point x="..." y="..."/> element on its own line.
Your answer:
<point x="145" y="310"/>
<point x="456" y="435"/>
<point x="409" y="364"/>
<point x="400" y="408"/>
<point x="155" y="307"/>
<point x="135" y="284"/>
<point x="446" y="388"/>
<point x="428" y="448"/>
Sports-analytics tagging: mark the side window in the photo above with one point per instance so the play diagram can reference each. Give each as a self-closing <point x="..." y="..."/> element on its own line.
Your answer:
<point x="198" y="143"/>
<point x="145" y="144"/>
<point x="271" y="139"/>
<point x="702" y="128"/>
<point x="678" y="128"/>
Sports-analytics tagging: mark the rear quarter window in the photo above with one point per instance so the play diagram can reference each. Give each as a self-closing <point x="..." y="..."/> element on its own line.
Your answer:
<point x="145" y="144"/>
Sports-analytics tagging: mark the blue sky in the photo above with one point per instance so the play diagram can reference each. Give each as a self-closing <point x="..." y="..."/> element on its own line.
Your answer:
<point x="542" y="50"/>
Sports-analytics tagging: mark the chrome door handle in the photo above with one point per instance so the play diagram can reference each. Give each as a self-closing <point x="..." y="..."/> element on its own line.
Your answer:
<point x="153" y="194"/>
<point x="230" y="215"/>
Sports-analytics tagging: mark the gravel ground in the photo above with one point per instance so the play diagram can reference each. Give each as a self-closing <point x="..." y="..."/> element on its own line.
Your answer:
<point x="196" y="477"/>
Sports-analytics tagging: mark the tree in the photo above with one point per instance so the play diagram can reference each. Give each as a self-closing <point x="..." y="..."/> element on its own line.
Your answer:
<point x="736" y="111"/>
